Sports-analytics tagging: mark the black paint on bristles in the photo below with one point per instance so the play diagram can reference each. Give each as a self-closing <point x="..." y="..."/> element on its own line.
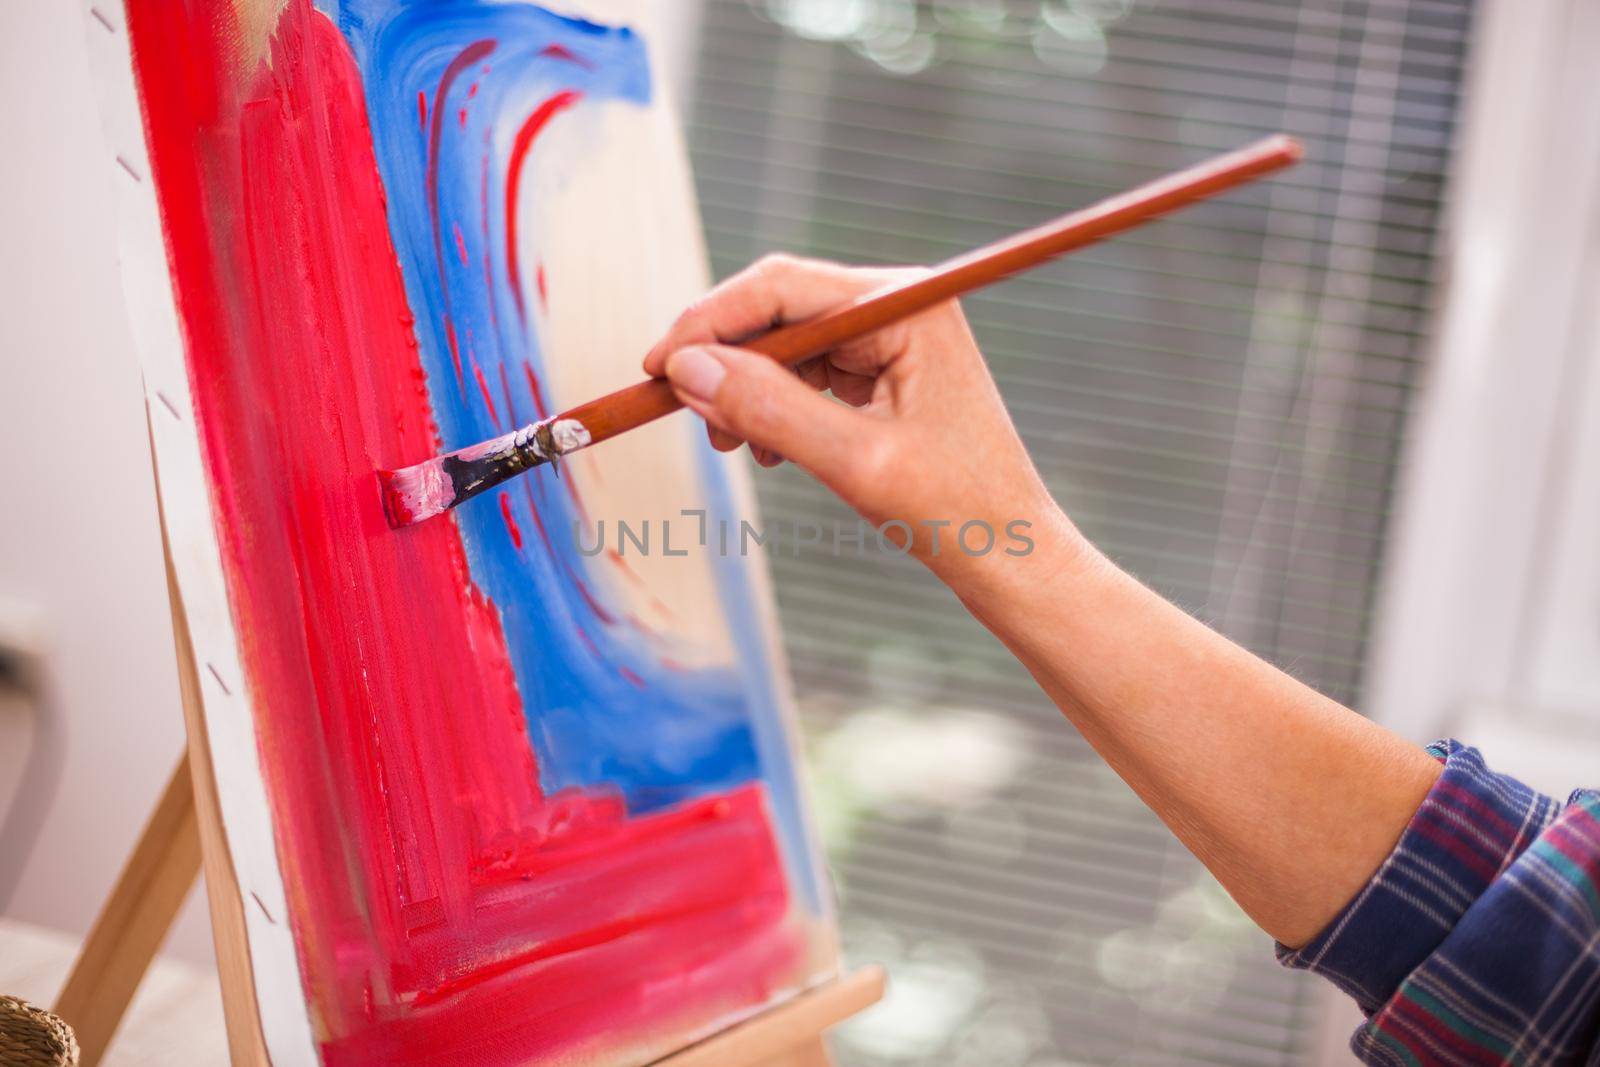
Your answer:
<point x="434" y="486"/>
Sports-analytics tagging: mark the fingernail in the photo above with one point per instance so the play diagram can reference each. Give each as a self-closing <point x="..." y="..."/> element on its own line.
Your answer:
<point x="697" y="372"/>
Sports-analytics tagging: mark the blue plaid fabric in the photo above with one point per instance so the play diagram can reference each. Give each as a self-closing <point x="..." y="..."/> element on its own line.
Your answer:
<point x="1478" y="940"/>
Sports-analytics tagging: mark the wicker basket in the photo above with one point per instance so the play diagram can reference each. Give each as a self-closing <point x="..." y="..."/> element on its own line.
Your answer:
<point x="32" y="1037"/>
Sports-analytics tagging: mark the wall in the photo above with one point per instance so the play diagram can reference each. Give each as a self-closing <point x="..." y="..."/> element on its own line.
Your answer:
<point x="80" y="553"/>
<point x="1490" y="626"/>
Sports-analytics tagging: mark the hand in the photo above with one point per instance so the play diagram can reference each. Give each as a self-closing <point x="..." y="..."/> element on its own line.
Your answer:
<point x="921" y="437"/>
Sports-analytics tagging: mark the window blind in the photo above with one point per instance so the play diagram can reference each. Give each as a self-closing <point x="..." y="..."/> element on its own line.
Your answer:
<point x="1217" y="400"/>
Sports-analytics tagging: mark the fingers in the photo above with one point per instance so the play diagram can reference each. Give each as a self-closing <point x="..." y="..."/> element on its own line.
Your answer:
<point x="775" y="290"/>
<point x="819" y="375"/>
<point x="721" y="439"/>
<point x="853" y="389"/>
<point x="749" y="396"/>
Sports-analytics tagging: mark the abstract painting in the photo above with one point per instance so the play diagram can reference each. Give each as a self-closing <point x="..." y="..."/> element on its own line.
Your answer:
<point x="492" y="794"/>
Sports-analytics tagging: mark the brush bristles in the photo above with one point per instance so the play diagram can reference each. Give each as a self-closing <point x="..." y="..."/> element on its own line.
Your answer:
<point x="418" y="492"/>
<point x="432" y="487"/>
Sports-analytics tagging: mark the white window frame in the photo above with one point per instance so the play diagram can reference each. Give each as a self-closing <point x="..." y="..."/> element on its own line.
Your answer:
<point x="1489" y="621"/>
<point x="1488" y="624"/>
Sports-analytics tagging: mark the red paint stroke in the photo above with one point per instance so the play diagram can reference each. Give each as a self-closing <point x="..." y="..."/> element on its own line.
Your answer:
<point x="488" y="281"/>
<point x="422" y="109"/>
<point x="463" y="59"/>
<point x="588" y="642"/>
<point x="599" y="609"/>
<point x="538" y="523"/>
<point x="489" y="287"/>
<point x="505" y="394"/>
<point x="461" y="243"/>
<point x="462" y="115"/>
<point x="652" y="633"/>
<point x="577" y="498"/>
<point x="455" y="350"/>
<point x="616" y="558"/>
<point x="444" y="909"/>
<point x="630" y="677"/>
<point x="483" y="388"/>
<point x="533" y="387"/>
<point x="529" y="130"/>
<point x="556" y="50"/>
<point x="511" y="520"/>
<point x="544" y="290"/>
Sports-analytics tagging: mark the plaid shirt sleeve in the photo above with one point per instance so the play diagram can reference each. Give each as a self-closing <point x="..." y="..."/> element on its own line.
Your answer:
<point x="1478" y="940"/>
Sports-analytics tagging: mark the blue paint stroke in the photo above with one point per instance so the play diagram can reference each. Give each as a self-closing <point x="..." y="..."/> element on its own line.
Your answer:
<point x="603" y="710"/>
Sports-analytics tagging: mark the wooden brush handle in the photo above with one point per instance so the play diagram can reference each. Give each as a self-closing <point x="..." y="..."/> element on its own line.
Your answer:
<point x="638" y="404"/>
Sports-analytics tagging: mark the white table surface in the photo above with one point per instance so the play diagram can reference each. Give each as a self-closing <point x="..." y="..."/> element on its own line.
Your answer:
<point x="176" y="1016"/>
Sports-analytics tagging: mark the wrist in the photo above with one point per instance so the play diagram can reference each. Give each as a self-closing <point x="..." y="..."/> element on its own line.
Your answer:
<point x="1039" y="548"/>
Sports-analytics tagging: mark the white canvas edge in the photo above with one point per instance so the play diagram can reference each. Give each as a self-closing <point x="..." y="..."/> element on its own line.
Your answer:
<point x="224" y="691"/>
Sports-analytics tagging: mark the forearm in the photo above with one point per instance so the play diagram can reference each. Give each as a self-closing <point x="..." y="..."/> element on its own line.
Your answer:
<point x="1291" y="800"/>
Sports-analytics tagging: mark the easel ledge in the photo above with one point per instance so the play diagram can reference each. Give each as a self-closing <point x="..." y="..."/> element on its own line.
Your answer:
<point x="185" y="829"/>
<point x="789" y="1035"/>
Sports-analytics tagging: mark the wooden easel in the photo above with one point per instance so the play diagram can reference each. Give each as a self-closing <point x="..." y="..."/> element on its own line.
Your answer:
<point x="185" y="830"/>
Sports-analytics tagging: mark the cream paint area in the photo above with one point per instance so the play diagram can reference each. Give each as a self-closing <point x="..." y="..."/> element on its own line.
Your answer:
<point x="606" y="239"/>
<point x="632" y="258"/>
<point x="256" y="25"/>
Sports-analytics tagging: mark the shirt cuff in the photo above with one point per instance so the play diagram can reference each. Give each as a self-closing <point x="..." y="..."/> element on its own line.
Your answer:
<point x="1471" y="826"/>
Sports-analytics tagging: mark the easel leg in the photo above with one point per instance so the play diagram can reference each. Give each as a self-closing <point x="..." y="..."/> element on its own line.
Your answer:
<point x="246" y="1045"/>
<point x="135" y="919"/>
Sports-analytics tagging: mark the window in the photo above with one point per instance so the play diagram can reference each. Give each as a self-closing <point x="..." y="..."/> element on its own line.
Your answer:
<point x="1217" y="399"/>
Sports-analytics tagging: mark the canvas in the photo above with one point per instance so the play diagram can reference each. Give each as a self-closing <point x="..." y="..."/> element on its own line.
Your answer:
<point x="503" y="787"/>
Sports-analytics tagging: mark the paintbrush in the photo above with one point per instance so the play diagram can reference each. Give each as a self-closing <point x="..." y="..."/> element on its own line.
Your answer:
<point x="434" y="486"/>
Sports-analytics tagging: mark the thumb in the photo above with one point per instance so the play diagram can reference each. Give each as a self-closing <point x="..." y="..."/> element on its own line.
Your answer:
<point x="754" y="397"/>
